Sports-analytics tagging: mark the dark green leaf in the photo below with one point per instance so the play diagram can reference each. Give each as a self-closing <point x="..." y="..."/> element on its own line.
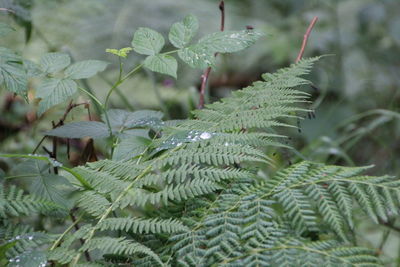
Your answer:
<point x="81" y="129"/>
<point x="162" y="63"/>
<point x="142" y="118"/>
<point x="130" y="147"/>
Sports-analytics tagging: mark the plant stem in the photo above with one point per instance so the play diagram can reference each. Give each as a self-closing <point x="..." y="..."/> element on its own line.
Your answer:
<point x="206" y="74"/>
<point x="305" y="39"/>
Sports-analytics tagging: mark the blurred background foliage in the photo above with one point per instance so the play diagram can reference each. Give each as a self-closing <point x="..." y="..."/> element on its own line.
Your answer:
<point x="356" y="89"/>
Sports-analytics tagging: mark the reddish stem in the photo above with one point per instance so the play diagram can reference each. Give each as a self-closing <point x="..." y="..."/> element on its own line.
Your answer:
<point x="206" y="74"/>
<point x="305" y="39"/>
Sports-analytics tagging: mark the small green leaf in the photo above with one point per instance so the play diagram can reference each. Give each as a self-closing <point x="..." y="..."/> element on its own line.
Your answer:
<point x="54" y="62"/>
<point x="123" y="52"/>
<point x="197" y="56"/>
<point x="147" y="42"/>
<point x="85" y="69"/>
<point x="162" y="63"/>
<point x="230" y="41"/>
<point x="81" y="129"/>
<point x="181" y="33"/>
<point x="12" y="72"/>
<point x="54" y="91"/>
<point x="5" y="29"/>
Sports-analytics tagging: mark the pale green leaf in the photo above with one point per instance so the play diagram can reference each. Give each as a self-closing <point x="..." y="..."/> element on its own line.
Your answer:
<point x="147" y="41"/>
<point x="5" y="29"/>
<point x="181" y="33"/>
<point x="197" y="56"/>
<point x="164" y="64"/>
<point x="54" y="62"/>
<point x="123" y="52"/>
<point x="54" y="91"/>
<point x="81" y="129"/>
<point x="230" y="41"/>
<point x="12" y="72"/>
<point x="85" y="69"/>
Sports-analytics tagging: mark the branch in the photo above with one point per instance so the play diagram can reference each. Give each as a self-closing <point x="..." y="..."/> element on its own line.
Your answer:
<point x="7" y="10"/>
<point x="206" y="74"/>
<point x="305" y="39"/>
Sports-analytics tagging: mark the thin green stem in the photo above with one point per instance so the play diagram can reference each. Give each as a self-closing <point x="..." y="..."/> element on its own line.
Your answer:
<point x="120" y="81"/>
<point x="59" y="239"/>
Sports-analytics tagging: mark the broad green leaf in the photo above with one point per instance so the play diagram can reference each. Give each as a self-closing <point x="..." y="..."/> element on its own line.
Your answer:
<point x="81" y="129"/>
<point x="142" y="118"/>
<point x="147" y="41"/>
<point x="181" y="33"/>
<point x="130" y="147"/>
<point x="5" y="29"/>
<point x="49" y="186"/>
<point x="54" y="62"/>
<point x="85" y="69"/>
<point x="197" y="56"/>
<point x="12" y="73"/>
<point x="164" y="64"/>
<point x="32" y="69"/>
<point x="29" y="259"/>
<point x="230" y="41"/>
<point x="54" y="91"/>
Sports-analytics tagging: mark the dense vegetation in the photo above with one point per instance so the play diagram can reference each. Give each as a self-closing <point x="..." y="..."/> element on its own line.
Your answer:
<point x="226" y="186"/>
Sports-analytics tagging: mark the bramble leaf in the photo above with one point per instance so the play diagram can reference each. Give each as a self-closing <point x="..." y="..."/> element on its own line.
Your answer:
<point x="54" y="62"/>
<point x="164" y="64"/>
<point x="147" y="42"/>
<point x="12" y="73"/>
<point x="54" y="91"/>
<point x="181" y="33"/>
<point x="85" y="69"/>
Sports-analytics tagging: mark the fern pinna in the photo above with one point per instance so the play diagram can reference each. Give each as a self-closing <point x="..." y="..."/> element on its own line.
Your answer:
<point x="191" y="198"/>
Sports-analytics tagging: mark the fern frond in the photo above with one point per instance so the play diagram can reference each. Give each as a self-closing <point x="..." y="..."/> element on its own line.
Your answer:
<point x="14" y="202"/>
<point x="93" y="203"/>
<point x="140" y="225"/>
<point x="119" y="246"/>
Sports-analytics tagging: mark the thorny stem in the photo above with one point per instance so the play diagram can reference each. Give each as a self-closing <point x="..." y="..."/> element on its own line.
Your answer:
<point x="76" y="226"/>
<point x="305" y="39"/>
<point x="59" y="239"/>
<point x="206" y="74"/>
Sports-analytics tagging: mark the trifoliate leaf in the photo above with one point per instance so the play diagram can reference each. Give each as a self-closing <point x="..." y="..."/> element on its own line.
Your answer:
<point x="54" y="91"/>
<point x="54" y="62"/>
<point x="85" y="69"/>
<point x="181" y="33"/>
<point x="147" y="41"/>
<point x="162" y="63"/>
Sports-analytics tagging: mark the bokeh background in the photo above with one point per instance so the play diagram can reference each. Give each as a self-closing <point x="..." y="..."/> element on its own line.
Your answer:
<point x="357" y="85"/>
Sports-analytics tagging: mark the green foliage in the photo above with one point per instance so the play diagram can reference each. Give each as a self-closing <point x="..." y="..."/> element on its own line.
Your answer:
<point x="192" y="192"/>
